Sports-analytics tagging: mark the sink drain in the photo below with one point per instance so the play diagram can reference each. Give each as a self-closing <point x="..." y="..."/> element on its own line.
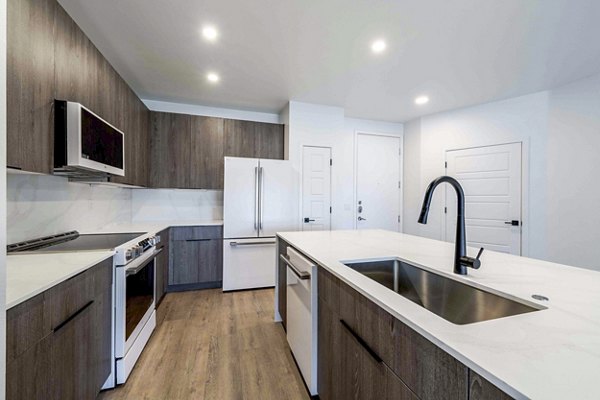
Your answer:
<point x="540" y="297"/>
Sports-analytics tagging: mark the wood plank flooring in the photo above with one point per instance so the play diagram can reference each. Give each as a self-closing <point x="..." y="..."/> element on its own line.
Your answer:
<point x="215" y="345"/>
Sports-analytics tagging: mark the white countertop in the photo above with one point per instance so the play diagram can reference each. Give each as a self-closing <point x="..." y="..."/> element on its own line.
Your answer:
<point x="28" y="275"/>
<point x="547" y="354"/>
<point x="154" y="227"/>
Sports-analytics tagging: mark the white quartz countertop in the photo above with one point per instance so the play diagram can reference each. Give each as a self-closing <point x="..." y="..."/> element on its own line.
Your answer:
<point x="548" y="354"/>
<point x="28" y="275"/>
<point x="154" y="227"/>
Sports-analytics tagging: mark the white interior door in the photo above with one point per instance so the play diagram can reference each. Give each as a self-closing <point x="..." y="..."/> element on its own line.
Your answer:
<point x="378" y="182"/>
<point x="278" y="197"/>
<point x="491" y="179"/>
<point x="316" y="188"/>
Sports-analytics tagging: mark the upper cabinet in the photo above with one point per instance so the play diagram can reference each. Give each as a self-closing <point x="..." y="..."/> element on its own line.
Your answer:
<point x="187" y="150"/>
<point x="49" y="57"/>
<point x="30" y="84"/>
<point x="170" y="150"/>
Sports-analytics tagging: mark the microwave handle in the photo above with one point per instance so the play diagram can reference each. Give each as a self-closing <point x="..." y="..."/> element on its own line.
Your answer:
<point x="133" y="271"/>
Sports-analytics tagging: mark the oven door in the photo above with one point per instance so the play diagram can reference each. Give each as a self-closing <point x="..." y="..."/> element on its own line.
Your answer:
<point x="135" y="300"/>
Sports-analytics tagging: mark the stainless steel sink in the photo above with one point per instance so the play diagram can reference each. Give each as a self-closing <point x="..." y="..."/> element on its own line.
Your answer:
<point x="454" y="301"/>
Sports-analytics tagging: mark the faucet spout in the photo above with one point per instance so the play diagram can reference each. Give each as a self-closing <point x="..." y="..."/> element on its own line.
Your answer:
<point x="461" y="261"/>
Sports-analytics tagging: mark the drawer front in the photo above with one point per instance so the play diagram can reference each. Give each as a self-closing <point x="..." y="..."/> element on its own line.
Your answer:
<point x="329" y="289"/>
<point x="482" y="389"/>
<point x="196" y="232"/>
<point x="66" y="299"/>
<point x="426" y="369"/>
<point x="25" y="326"/>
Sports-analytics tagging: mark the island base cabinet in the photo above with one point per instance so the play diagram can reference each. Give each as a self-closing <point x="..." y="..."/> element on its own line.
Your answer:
<point x="348" y="368"/>
<point x="481" y="389"/>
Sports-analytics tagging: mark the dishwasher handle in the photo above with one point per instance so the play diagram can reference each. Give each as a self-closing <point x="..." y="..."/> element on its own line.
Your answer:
<point x="304" y="275"/>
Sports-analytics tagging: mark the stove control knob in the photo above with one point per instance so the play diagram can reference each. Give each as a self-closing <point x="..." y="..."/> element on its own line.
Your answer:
<point x="128" y="255"/>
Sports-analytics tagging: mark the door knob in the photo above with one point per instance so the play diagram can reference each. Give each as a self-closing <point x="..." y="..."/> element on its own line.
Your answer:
<point x="362" y="219"/>
<point x="307" y="220"/>
<point x="514" y="222"/>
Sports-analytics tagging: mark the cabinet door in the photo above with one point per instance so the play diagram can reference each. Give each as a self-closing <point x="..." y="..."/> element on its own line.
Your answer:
<point x="196" y="261"/>
<point x="170" y="150"/>
<point x="28" y="377"/>
<point x="102" y="360"/>
<point x="482" y="389"/>
<point x="30" y="84"/>
<point x="240" y="138"/>
<point x="348" y="369"/>
<point x="207" y="153"/>
<point x="269" y="141"/>
<point x="282" y="281"/>
<point x="72" y="354"/>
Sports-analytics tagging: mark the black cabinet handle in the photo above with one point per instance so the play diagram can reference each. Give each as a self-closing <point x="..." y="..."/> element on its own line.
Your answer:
<point x="197" y="240"/>
<point x="72" y="317"/>
<point x="361" y="342"/>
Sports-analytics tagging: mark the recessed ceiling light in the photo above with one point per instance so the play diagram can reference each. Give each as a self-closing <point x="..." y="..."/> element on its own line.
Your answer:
<point x="212" y="77"/>
<point x="421" y="100"/>
<point x="378" y="46"/>
<point x="210" y="33"/>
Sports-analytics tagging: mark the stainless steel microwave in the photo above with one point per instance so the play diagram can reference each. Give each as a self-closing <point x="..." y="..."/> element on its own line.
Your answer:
<point x="85" y="145"/>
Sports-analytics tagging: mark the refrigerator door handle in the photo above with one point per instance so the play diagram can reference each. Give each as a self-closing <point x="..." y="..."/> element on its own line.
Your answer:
<point x="262" y="184"/>
<point x="256" y="198"/>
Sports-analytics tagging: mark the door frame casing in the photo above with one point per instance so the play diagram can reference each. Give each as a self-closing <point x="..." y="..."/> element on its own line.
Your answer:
<point x="301" y="208"/>
<point x="525" y="146"/>
<point x="400" y="137"/>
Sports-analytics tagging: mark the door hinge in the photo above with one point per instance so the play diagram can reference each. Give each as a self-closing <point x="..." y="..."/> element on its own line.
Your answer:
<point x="330" y="210"/>
<point x="445" y="164"/>
<point x="445" y="210"/>
<point x="399" y="185"/>
<point x="331" y="161"/>
<point x="398" y="219"/>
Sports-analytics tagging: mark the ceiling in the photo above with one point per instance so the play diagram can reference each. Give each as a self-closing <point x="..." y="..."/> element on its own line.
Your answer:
<point x="459" y="52"/>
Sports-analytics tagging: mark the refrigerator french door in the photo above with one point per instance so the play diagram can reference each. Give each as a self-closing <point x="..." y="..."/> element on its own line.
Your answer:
<point x="260" y="199"/>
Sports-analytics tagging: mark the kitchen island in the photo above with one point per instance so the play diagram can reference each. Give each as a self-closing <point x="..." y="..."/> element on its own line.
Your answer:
<point x="552" y="353"/>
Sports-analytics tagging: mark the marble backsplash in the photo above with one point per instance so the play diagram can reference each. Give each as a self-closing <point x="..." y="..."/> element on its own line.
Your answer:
<point x="176" y="205"/>
<point x="41" y="205"/>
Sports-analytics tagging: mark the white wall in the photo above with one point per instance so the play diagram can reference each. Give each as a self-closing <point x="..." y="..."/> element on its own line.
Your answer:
<point x="192" y="109"/>
<point x="176" y="205"/>
<point x="2" y="198"/>
<point x="573" y="167"/>
<point x="41" y="205"/>
<point x="320" y="125"/>
<point x="521" y="119"/>
<point x="560" y="130"/>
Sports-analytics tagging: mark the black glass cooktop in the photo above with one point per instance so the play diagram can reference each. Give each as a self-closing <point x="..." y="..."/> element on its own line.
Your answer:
<point x="73" y="241"/>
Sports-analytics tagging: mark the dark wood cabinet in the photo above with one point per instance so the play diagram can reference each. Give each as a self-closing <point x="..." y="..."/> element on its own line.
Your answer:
<point x="282" y="246"/>
<point x="162" y="265"/>
<point x="196" y="259"/>
<point x="482" y="389"/>
<point x="207" y="151"/>
<point x="425" y="371"/>
<point x="253" y="139"/>
<point x="170" y="150"/>
<point x="269" y="142"/>
<point x="49" y="57"/>
<point x="30" y="84"/>
<point x="59" y="342"/>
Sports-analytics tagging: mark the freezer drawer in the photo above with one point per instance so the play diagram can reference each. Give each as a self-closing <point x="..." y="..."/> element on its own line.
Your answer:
<point x="248" y="263"/>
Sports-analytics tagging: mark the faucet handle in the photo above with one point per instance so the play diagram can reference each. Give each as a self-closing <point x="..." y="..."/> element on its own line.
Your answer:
<point x="472" y="262"/>
<point x="479" y="254"/>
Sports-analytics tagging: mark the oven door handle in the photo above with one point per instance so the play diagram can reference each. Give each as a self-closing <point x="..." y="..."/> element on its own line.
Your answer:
<point x="133" y="271"/>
